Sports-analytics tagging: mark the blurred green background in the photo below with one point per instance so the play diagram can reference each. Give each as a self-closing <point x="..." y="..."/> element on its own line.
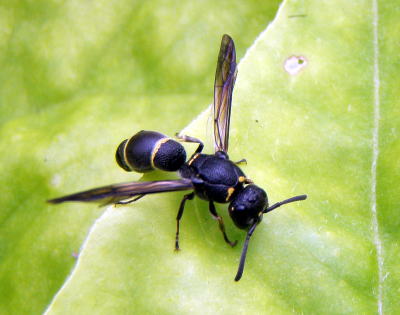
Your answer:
<point x="77" y="77"/>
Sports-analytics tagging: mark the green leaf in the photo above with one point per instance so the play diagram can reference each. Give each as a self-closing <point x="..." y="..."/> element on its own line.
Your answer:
<point x="77" y="78"/>
<point x="330" y="131"/>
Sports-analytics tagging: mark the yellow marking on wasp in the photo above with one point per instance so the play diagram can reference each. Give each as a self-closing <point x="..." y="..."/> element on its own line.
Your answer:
<point x="157" y="147"/>
<point x="125" y="156"/>
<point x="193" y="158"/>
<point x="230" y="192"/>
<point x="244" y="179"/>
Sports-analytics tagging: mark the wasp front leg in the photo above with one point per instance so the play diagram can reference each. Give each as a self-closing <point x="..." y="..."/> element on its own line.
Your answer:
<point x="215" y="215"/>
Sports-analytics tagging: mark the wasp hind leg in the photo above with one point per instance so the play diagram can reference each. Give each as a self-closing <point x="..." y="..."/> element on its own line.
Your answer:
<point x="128" y="201"/>
<point x="179" y="217"/>
<point x="185" y="138"/>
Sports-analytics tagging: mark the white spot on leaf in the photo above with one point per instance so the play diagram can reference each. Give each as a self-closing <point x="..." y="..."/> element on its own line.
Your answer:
<point x="294" y="64"/>
<point x="56" y="180"/>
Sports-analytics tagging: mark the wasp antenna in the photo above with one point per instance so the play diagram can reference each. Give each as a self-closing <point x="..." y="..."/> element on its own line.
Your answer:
<point x="244" y="252"/>
<point x="278" y="204"/>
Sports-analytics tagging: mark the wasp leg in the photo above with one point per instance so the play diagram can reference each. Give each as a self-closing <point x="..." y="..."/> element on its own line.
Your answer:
<point x="245" y="180"/>
<point x="179" y="217"/>
<point x="242" y="161"/>
<point x="215" y="215"/>
<point x="125" y="202"/>
<point x="185" y="138"/>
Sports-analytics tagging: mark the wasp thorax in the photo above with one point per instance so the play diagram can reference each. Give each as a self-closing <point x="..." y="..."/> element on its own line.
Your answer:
<point x="248" y="206"/>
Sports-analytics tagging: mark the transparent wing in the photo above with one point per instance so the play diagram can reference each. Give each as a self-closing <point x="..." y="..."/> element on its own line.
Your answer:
<point x="117" y="192"/>
<point x="225" y="77"/>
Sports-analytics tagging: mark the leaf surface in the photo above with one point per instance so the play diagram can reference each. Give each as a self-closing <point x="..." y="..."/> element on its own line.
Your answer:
<point x="315" y="111"/>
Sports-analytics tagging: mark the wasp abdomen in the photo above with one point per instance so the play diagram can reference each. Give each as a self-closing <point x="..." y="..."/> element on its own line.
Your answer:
<point x="148" y="150"/>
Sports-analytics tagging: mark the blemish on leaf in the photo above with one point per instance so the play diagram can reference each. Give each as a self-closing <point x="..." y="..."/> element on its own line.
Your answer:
<point x="294" y="64"/>
<point x="386" y="275"/>
<point x="56" y="180"/>
<point x="297" y="16"/>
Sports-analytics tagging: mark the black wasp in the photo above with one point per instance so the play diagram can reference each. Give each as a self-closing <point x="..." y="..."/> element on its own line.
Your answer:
<point x="212" y="177"/>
